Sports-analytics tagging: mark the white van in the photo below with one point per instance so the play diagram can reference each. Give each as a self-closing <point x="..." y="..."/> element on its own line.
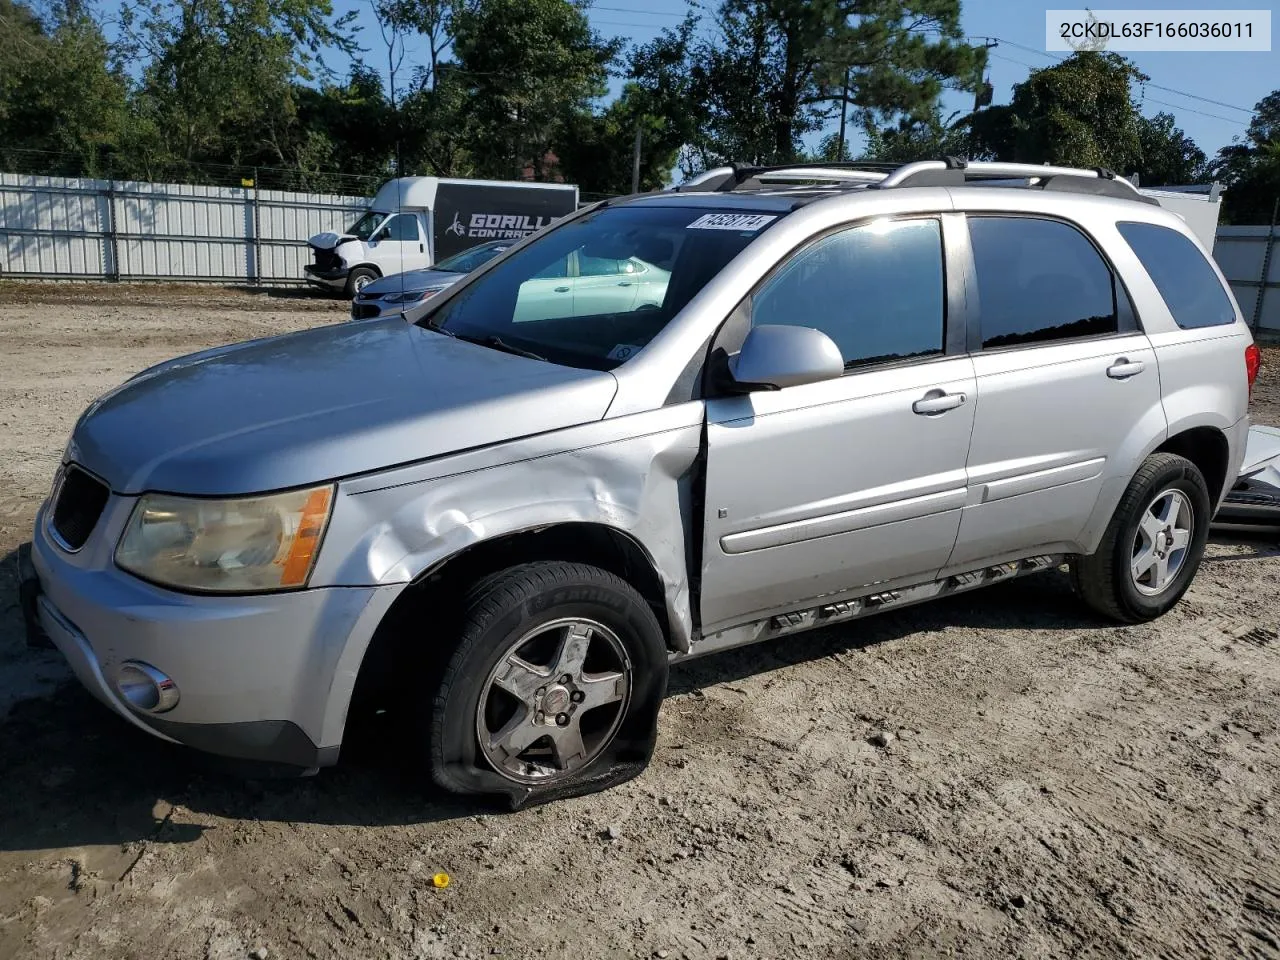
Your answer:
<point x="415" y="221"/>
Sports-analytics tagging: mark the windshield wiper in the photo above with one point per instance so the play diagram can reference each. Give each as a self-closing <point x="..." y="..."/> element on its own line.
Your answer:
<point x="497" y="343"/>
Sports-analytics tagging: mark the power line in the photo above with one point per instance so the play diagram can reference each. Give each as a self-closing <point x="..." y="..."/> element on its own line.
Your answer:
<point x="646" y="13"/>
<point x="1178" y="106"/>
<point x="1153" y="86"/>
<point x="1145" y="98"/>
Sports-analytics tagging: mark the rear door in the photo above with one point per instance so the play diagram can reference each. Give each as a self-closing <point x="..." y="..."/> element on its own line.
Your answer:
<point x="827" y="487"/>
<point x="603" y="285"/>
<point x="1068" y="385"/>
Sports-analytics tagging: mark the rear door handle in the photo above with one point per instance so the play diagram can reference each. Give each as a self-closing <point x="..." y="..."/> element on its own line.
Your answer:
<point x="1124" y="368"/>
<point x="935" y="402"/>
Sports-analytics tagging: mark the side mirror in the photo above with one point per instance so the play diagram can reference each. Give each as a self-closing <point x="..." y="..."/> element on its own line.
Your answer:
<point x="774" y="356"/>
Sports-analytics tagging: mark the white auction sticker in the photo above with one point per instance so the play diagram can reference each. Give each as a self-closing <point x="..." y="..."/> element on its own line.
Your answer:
<point x="749" y="222"/>
<point x="1137" y="30"/>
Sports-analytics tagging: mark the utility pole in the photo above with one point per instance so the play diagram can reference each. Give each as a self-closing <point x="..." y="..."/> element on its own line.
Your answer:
<point x="981" y="98"/>
<point x="635" y="163"/>
<point x="844" y="108"/>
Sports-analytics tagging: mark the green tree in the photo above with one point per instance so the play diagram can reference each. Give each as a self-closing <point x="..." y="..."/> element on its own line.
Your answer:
<point x="62" y="104"/>
<point x="1077" y="113"/>
<point x="596" y="152"/>
<point x="918" y="139"/>
<point x="1250" y="167"/>
<point x="1169" y="156"/>
<point x="221" y="79"/>
<point x="785" y="66"/>
<point x="528" y="67"/>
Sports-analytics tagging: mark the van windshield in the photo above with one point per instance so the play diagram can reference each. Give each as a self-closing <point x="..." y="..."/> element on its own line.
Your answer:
<point x="592" y="293"/>
<point x="364" y="227"/>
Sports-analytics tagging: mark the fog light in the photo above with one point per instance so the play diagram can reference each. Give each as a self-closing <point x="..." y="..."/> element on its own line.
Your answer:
<point x="145" y="688"/>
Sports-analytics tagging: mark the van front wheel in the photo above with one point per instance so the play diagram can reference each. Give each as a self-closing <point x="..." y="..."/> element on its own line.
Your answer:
<point x="553" y="689"/>
<point x="358" y="279"/>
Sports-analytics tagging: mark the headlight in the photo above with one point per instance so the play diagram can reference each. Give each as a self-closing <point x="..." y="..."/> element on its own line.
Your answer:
<point x="226" y="546"/>
<point x="412" y="297"/>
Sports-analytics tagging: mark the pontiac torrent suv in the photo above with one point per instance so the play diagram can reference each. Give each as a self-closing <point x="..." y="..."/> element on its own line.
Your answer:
<point x="860" y="389"/>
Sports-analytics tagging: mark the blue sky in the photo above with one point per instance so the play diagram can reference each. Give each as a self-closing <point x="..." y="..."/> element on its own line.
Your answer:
<point x="1233" y="80"/>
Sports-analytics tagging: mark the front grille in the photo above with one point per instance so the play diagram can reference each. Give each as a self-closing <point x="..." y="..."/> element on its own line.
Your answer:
<point x="81" y="500"/>
<point x="363" y="311"/>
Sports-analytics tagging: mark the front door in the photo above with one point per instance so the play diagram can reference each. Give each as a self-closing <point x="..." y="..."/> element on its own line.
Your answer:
<point x="400" y="245"/>
<point x="1069" y="386"/>
<point x="833" y="486"/>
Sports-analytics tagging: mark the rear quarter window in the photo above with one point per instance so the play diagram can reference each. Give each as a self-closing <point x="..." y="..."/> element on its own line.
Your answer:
<point x="1190" y="288"/>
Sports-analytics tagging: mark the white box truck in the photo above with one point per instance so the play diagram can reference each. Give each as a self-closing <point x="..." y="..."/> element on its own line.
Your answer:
<point x="415" y="221"/>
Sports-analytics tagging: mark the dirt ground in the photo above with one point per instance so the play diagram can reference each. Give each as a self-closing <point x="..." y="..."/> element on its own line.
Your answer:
<point x="1054" y="786"/>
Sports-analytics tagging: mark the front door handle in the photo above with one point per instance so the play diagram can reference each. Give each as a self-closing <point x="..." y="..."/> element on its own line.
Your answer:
<point x="1124" y="368"/>
<point x="936" y="401"/>
<point x="562" y="289"/>
<point x="624" y="283"/>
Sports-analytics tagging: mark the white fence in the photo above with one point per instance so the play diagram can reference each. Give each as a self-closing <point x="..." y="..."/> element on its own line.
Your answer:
<point x="1250" y="259"/>
<point x="55" y="228"/>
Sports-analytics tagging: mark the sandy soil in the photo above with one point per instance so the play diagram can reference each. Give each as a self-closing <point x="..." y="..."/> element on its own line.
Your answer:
<point x="1054" y="786"/>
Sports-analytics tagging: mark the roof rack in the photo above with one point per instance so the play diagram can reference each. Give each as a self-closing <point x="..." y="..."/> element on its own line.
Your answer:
<point x="735" y="176"/>
<point x="947" y="172"/>
<point x="953" y="172"/>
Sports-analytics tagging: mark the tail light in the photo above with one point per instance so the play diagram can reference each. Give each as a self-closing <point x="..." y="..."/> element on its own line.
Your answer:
<point x="1252" y="364"/>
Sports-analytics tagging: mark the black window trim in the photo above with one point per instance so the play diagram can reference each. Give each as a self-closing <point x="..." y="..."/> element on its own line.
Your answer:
<point x="1127" y="320"/>
<point x="734" y="328"/>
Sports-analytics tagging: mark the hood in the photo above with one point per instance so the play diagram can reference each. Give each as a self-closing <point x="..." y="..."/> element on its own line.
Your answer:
<point x="322" y="404"/>
<point x="327" y="241"/>
<point x="411" y="281"/>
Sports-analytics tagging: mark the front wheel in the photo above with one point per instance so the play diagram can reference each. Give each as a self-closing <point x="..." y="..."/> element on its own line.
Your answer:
<point x="358" y="279"/>
<point x="553" y="689"/>
<point x="1153" y="546"/>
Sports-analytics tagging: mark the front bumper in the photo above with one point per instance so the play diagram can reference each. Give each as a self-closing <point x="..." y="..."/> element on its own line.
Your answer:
<point x="334" y="279"/>
<point x="261" y="678"/>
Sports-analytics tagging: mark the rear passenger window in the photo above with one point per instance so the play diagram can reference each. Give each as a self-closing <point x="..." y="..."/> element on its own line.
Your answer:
<point x="1190" y="288"/>
<point x="876" y="290"/>
<point x="1039" y="281"/>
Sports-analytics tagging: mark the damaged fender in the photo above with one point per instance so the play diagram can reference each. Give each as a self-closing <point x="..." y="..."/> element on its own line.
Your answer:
<point x="633" y="474"/>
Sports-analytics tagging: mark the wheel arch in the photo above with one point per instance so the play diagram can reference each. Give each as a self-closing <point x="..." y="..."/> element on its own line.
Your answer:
<point x="398" y="638"/>
<point x="1208" y="448"/>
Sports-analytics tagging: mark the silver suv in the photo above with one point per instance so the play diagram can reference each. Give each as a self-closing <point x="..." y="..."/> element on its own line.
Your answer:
<point x="859" y="390"/>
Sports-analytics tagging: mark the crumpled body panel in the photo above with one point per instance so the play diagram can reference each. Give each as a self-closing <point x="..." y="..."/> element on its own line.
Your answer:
<point x="632" y="474"/>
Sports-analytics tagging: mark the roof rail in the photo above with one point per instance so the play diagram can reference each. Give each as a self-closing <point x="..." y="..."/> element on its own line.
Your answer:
<point x="953" y="172"/>
<point x="947" y="172"/>
<point x="733" y="176"/>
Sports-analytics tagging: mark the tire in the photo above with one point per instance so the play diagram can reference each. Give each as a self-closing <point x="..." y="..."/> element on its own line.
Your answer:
<point x="1123" y="581"/>
<point x="358" y="279"/>
<point x="514" y="730"/>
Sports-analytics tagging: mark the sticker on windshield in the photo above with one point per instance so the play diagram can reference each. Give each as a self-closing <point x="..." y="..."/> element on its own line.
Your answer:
<point x="623" y="351"/>
<point x="748" y="222"/>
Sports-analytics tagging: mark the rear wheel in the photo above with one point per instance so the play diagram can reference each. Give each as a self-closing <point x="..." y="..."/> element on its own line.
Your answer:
<point x="553" y="689"/>
<point x="358" y="279"/>
<point x="1153" y="545"/>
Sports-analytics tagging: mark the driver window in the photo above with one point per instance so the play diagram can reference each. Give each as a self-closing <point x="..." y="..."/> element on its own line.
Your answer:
<point x="876" y="290"/>
<point x="402" y="227"/>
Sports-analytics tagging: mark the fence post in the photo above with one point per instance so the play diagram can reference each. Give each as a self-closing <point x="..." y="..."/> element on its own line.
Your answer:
<point x="1266" y="266"/>
<point x="257" y="232"/>
<point x="113" y="241"/>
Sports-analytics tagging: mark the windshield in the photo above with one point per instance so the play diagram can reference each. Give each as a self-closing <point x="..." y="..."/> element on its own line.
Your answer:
<point x="594" y="292"/>
<point x="364" y="227"/>
<point x="468" y="260"/>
